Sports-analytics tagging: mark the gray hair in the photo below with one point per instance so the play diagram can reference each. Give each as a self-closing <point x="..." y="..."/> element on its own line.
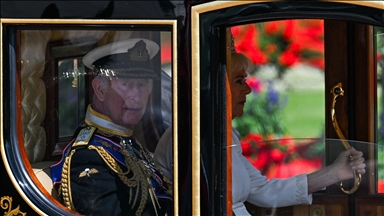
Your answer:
<point x="104" y="83"/>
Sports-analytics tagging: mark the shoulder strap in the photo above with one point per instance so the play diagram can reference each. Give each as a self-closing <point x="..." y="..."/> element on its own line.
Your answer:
<point x="84" y="136"/>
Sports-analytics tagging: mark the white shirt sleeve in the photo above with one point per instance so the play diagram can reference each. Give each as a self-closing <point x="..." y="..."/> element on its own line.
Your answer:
<point x="248" y="184"/>
<point x="276" y="192"/>
<point x="163" y="156"/>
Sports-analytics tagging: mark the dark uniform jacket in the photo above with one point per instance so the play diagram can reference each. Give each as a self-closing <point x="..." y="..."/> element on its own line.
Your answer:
<point x="107" y="172"/>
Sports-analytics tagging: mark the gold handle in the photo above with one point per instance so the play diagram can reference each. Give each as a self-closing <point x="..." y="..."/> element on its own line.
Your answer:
<point x="338" y="91"/>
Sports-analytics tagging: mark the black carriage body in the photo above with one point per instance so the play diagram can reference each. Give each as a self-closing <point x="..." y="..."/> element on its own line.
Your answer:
<point x="211" y="78"/>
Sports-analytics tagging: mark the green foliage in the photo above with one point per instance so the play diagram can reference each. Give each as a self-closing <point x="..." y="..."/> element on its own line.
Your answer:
<point x="380" y="163"/>
<point x="304" y="114"/>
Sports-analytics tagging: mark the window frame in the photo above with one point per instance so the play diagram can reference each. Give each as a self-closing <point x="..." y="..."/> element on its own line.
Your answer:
<point x="12" y="147"/>
<point x="207" y="21"/>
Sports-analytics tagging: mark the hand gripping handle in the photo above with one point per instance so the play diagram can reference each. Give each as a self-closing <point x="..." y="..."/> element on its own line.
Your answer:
<point x="338" y="91"/>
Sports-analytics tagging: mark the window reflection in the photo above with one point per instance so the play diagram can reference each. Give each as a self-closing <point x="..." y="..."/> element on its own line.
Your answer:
<point x="71" y="95"/>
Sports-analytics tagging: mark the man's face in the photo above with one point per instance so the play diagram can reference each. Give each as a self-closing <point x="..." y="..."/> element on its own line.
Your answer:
<point x="239" y="91"/>
<point x="126" y="100"/>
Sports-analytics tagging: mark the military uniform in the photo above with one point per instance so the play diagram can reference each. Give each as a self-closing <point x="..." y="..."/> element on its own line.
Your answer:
<point x="105" y="171"/>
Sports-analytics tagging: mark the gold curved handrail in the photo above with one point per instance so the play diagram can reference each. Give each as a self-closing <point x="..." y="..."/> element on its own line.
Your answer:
<point x="337" y="90"/>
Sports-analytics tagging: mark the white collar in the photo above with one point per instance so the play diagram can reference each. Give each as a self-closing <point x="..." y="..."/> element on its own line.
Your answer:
<point x="105" y="124"/>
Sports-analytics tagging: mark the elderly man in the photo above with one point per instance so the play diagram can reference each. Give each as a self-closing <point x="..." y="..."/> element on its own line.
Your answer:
<point x="104" y="169"/>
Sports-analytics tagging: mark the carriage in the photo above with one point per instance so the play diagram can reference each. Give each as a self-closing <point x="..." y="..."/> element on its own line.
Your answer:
<point x="45" y="91"/>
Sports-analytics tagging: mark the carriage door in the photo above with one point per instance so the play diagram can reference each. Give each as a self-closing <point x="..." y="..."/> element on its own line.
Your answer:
<point x="353" y="57"/>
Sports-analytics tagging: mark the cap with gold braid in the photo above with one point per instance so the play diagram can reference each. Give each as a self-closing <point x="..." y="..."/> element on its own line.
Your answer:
<point x="129" y="59"/>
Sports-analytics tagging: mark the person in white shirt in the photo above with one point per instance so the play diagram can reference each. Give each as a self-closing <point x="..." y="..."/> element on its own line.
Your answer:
<point x="248" y="184"/>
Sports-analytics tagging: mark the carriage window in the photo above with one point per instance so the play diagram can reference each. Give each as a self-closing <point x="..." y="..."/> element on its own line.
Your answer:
<point x="106" y="87"/>
<point x="67" y="84"/>
<point x="379" y="36"/>
<point x="65" y="76"/>
<point x="282" y="127"/>
<point x="286" y="102"/>
<point x="72" y="80"/>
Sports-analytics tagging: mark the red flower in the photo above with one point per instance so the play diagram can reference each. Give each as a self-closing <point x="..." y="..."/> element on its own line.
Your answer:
<point x="289" y="29"/>
<point x="260" y="43"/>
<point x="249" y="139"/>
<point x="248" y="45"/>
<point x="235" y="31"/>
<point x="248" y="39"/>
<point x="276" y="155"/>
<point x="262" y="160"/>
<point x="253" y="137"/>
<point x="288" y="142"/>
<point x="271" y="28"/>
<point x="247" y="149"/>
<point x="255" y="84"/>
<point x="294" y="47"/>
<point x="257" y="57"/>
<point x="295" y="167"/>
<point x="381" y="186"/>
<point x="288" y="58"/>
<point x="317" y="62"/>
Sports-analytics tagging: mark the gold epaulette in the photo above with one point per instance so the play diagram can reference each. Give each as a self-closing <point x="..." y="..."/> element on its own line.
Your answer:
<point x="84" y="136"/>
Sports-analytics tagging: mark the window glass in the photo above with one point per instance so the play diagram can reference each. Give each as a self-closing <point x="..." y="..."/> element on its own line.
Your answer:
<point x="52" y="67"/>
<point x="67" y="75"/>
<point x="71" y="97"/>
<point x="379" y="36"/>
<point x="286" y="103"/>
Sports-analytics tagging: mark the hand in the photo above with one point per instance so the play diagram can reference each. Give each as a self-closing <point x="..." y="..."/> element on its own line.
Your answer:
<point x="348" y="162"/>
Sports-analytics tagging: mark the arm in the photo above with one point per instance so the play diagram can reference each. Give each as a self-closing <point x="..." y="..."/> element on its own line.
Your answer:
<point x="277" y="192"/>
<point x="96" y="193"/>
<point x="163" y="154"/>
<point x="342" y="169"/>
<point x="248" y="184"/>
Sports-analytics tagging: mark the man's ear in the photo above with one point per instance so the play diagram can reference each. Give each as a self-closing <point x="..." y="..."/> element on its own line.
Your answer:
<point x="99" y="89"/>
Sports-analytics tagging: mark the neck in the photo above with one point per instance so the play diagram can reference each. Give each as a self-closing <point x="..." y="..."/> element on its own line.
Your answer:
<point x="104" y="123"/>
<point x="98" y="107"/>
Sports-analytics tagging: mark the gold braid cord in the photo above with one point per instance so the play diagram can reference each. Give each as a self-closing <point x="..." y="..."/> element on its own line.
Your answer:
<point x="65" y="186"/>
<point x="169" y="191"/>
<point x="138" y="178"/>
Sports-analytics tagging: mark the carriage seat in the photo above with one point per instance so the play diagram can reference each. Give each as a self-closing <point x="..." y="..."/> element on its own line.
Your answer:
<point x="43" y="173"/>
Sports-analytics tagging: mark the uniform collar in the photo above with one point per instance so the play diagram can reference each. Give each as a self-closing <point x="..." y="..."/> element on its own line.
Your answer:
<point x="105" y="124"/>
